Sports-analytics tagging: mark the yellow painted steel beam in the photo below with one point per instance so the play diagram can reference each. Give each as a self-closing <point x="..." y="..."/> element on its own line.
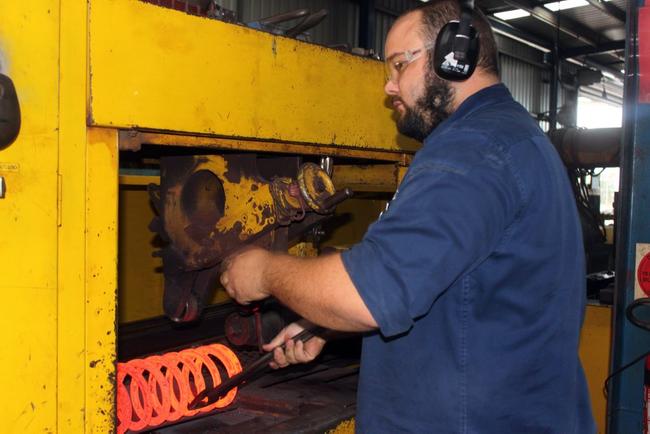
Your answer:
<point x="167" y="70"/>
<point x="87" y="244"/>
<point x="133" y="141"/>
<point x="359" y="178"/>
<point x="370" y="178"/>
<point x="140" y="279"/>
<point x="101" y="279"/>
<point x="58" y="248"/>
<point x="72" y="360"/>
<point x="356" y="214"/>
<point x="139" y="180"/>
<point x="28" y="212"/>
<point x="595" y="346"/>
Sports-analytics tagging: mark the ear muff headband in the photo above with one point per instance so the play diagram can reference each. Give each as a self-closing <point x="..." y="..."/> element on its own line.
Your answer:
<point x="457" y="46"/>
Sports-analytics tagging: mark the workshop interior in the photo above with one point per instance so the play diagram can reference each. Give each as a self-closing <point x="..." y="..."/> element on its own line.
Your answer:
<point x="142" y="142"/>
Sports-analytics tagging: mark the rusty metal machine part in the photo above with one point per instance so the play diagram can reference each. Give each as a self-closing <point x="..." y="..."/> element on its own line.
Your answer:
<point x="205" y="8"/>
<point x="285" y="16"/>
<point x="254" y="329"/>
<point x="326" y="163"/>
<point x="311" y="20"/>
<point x="9" y="112"/>
<point x="209" y="206"/>
<point x="316" y="187"/>
<point x="304" y="20"/>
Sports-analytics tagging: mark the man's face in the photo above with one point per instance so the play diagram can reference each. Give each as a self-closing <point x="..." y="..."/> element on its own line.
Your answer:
<point x="421" y="98"/>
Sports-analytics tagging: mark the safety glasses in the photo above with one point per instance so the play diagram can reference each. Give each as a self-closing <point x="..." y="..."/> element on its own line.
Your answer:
<point x="397" y="62"/>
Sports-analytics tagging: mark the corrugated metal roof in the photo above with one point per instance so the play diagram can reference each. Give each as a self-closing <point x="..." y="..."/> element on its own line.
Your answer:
<point x="586" y="26"/>
<point x="591" y="17"/>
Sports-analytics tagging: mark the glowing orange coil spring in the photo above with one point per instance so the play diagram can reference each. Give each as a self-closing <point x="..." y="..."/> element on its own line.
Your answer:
<point x="161" y="387"/>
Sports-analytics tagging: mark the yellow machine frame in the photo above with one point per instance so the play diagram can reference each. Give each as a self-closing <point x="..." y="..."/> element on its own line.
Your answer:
<point x="98" y="76"/>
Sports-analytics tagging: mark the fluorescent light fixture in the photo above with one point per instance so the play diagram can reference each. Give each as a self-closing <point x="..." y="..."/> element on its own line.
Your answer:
<point x="565" y="4"/>
<point x="513" y="14"/>
<point x="524" y="41"/>
<point x="609" y="75"/>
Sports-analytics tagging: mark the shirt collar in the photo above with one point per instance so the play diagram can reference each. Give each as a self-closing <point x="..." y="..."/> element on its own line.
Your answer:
<point x="490" y="95"/>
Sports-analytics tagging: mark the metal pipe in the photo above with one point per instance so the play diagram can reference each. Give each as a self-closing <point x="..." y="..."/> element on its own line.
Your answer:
<point x="555" y="74"/>
<point x="588" y="148"/>
<point x="337" y="198"/>
<point x="285" y="16"/>
<point x="626" y="399"/>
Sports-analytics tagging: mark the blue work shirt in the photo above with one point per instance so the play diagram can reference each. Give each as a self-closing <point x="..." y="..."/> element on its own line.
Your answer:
<point x="475" y="275"/>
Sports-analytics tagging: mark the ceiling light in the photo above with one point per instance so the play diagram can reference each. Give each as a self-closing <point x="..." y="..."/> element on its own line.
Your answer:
<point x="609" y="75"/>
<point x="565" y="4"/>
<point x="513" y="14"/>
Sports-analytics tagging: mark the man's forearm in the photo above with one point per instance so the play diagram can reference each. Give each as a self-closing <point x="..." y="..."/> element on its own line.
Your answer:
<point x="319" y="289"/>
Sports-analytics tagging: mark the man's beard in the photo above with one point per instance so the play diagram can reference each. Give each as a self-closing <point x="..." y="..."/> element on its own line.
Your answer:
<point x="429" y="110"/>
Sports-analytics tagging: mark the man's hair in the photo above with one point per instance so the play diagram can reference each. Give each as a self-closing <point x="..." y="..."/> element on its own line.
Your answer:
<point x="437" y="13"/>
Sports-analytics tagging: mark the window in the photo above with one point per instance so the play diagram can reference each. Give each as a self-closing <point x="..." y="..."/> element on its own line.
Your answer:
<point x="598" y="113"/>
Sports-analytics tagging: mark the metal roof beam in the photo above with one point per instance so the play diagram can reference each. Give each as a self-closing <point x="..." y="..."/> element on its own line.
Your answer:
<point x="565" y="24"/>
<point x="506" y="29"/>
<point x="502" y="27"/>
<point x="588" y="49"/>
<point x="599" y="66"/>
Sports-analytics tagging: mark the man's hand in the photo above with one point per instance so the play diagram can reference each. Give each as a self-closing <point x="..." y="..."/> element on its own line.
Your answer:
<point x="242" y="274"/>
<point x="294" y="352"/>
<point x="318" y="289"/>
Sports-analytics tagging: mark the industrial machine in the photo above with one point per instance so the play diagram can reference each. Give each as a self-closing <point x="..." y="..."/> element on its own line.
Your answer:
<point x="183" y="136"/>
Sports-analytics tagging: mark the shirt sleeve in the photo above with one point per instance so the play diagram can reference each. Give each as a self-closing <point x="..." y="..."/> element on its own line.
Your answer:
<point x="448" y="215"/>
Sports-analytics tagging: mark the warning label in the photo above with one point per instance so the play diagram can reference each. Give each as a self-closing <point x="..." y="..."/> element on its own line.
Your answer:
<point x="642" y="284"/>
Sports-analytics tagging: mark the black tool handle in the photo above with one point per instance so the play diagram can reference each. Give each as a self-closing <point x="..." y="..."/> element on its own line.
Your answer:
<point x="260" y="364"/>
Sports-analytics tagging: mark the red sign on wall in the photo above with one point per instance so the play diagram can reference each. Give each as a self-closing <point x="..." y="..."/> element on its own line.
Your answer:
<point x="643" y="274"/>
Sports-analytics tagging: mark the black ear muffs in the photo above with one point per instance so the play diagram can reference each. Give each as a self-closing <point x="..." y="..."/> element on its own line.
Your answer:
<point x="448" y="63"/>
<point x="9" y="112"/>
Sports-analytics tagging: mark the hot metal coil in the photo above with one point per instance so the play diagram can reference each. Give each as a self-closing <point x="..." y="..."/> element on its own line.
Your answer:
<point x="157" y="390"/>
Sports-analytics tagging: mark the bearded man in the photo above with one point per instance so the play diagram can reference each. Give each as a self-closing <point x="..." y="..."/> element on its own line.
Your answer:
<point x="470" y="286"/>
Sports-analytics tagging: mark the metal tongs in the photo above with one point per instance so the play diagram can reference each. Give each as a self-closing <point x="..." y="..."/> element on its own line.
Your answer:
<point x="214" y="393"/>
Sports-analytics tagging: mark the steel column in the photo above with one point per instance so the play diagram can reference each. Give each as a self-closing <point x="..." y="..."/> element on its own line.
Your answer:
<point x="555" y="76"/>
<point x="367" y="24"/>
<point x="625" y="409"/>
